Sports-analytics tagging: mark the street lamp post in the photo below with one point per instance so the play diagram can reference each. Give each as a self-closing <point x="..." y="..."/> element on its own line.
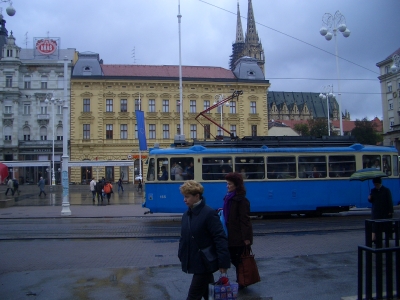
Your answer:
<point x="53" y="103"/>
<point x="219" y="98"/>
<point x="335" y="22"/>
<point x="328" y="93"/>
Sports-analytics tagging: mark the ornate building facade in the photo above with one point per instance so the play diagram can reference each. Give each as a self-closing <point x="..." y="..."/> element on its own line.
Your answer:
<point x="104" y="99"/>
<point x="28" y="126"/>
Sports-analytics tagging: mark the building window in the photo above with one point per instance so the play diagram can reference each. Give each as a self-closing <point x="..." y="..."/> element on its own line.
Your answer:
<point x="136" y="132"/>
<point x="387" y="68"/>
<point x="137" y="104"/>
<point x="193" y="131"/>
<point x="390" y="104"/>
<point x="391" y="122"/>
<point x="233" y="130"/>
<point x="207" y="134"/>
<point x="43" y="137"/>
<point x="27" y="137"/>
<point x="165" y="131"/>
<point x="86" y="105"/>
<point x="43" y="84"/>
<point x="43" y="110"/>
<point x="86" y="131"/>
<point x="207" y="105"/>
<point x="59" y="110"/>
<point x="8" y="81"/>
<point x="7" y="109"/>
<point x="152" y="105"/>
<point x="192" y="106"/>
<point x="389" y="87"/>
<point x="232" y="107"/>
<point x="124" y="131"/>
<point x="165" y="106"/>
<point x="253" y="130"/>
<point x="109" y="131"/>
<point x="27" y="82"/>
<point x="178" y="106"/>
<point x="152" y="131"/>
<point x="27" y="109"/>
<point x="9" y="53"/>
<point x="124" y="105"/>
<point x="7" y="137"/>
<point x="253" y="107"/>
<point x="109" y="105"/>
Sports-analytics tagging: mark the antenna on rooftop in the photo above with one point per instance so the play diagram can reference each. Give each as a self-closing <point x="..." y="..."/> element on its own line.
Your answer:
<point x="134" y="55"/>
<point x="26" y="40"/>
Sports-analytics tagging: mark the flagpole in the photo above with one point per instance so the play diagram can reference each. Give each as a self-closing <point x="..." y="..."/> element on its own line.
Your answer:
<point x="140" y="152"/>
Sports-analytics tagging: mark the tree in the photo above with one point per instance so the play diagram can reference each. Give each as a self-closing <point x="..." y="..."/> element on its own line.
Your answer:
<point x="302" y="129"/>
<point x="318" y="127"/>
<point x="366" y="132"/>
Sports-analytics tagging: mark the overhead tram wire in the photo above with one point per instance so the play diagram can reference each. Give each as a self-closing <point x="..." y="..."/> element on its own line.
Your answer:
<point x="297" y="39"/>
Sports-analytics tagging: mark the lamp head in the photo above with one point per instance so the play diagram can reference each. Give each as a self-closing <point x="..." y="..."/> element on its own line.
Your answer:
<point x="346" y="33"/>
<point x="328" y="36"/>
<point x="342" y="27"/>
<point x="323" y="31"/>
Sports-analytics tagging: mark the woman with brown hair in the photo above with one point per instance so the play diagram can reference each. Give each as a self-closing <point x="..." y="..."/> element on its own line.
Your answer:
<point x="236" y="212"/>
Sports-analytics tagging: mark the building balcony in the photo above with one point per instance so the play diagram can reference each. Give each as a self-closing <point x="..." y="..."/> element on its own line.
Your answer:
<point x="43" y="116"/>
<point x="8" y="116"/>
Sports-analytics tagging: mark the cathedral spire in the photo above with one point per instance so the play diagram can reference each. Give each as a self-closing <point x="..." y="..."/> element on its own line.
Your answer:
<point x="239" y="29"/>
<point x="251" y="34"/>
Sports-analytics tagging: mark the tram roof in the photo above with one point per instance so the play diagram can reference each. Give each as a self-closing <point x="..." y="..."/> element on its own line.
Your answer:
<point x="198" y="149"/>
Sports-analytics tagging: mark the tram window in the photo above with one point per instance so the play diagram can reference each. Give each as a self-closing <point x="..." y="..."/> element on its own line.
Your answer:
<point x="151" y="168"/>
<point x="250" y="167"/>
<point x="182" y="168"/>
<point x="162" y="169"/>
<point x="341" y="165"/>
<point x="395" y="165"/>
<point x="386" y="165"/>
<point x="215" y="168"/>
<point x="312" y="166"/>
<point x="281" y="167"/>
<point x="372" y="161"/>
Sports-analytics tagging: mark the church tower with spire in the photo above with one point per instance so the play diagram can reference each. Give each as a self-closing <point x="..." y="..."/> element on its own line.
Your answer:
<point x="249" y="46"/>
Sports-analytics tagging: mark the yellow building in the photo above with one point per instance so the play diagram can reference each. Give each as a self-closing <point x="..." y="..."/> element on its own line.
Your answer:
<point x="104" y="99"/>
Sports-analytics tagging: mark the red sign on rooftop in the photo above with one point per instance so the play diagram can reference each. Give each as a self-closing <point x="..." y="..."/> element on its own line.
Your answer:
<point x="46" y="46"/>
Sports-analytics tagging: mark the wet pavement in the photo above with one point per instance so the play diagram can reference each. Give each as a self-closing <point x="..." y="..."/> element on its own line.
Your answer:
<point x="292" y="265"/>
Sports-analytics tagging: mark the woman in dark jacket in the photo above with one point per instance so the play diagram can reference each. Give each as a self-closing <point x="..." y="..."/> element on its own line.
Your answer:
<point x="237" y="217"/>
<point x="200" y="229"/>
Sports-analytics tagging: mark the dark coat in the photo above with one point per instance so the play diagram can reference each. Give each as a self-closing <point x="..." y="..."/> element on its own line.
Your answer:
<point x="206" y="229"/>
<point x="382" y="204"/>
<point x="99" y="187"/>
<point x="239" y="223"/>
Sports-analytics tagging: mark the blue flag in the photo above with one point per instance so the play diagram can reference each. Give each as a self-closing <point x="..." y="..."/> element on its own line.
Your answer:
<point x="141" y="130"/>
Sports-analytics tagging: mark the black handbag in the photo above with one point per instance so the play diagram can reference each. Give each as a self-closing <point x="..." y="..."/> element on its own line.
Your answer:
<point x="208" y="254"/>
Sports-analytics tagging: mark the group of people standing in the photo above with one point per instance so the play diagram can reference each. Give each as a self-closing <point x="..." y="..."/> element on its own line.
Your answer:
<point x="13" y="186"/>
<point x="103" y="189"/>
<point x="202" y="227"/>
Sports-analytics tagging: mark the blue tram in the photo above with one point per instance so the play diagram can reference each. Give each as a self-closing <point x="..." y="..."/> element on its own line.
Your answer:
<point x="310" y="179"/>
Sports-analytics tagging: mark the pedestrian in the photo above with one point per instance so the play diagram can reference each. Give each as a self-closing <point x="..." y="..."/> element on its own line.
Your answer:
<point x="93" y="189"/>
<point x="236" y="210"/>
<point x="99" y="191"/>
<point x="382" y="204"/>
<point x="16" y="186"/>
<point x="140" y="186"/>
<point x="10" y="186"/>
<point x="41" y="184"/>
<point x="120" y="185"/>
<point x="108" y="190"/>
<point x="200" y="229"/>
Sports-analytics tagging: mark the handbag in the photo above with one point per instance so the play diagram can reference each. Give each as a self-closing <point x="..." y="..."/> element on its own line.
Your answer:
<point x="223" y="289"/>
<point x="208" y="254"/>
<point x="247" y="271"/>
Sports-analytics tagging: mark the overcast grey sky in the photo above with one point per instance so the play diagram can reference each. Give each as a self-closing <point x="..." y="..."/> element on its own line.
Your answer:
<point x="114" y="28"/>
